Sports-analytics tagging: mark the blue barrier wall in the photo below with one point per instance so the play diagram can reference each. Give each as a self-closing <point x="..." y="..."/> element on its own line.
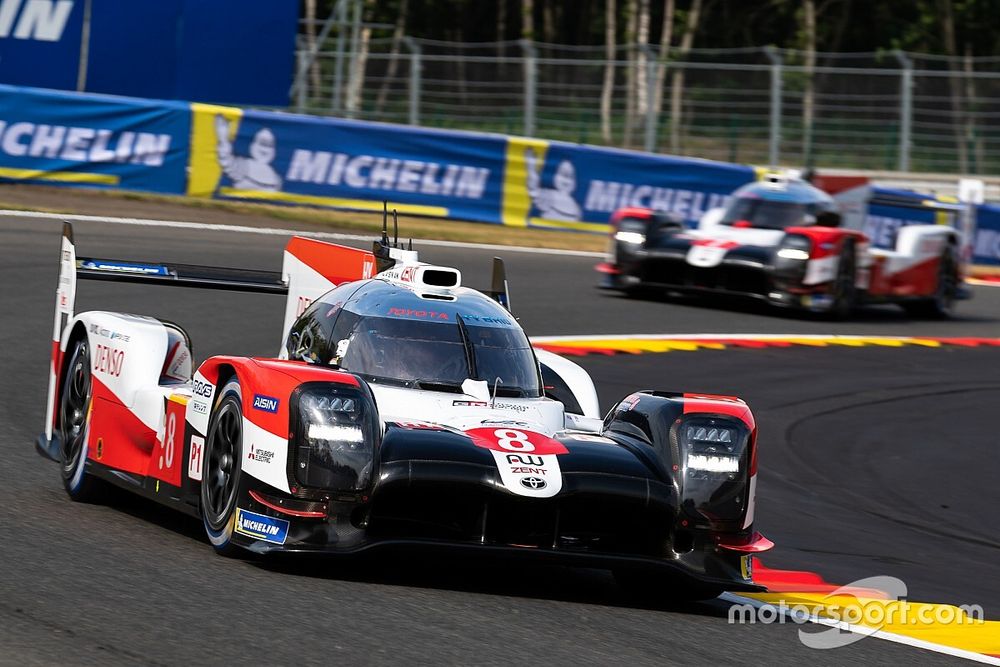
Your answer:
<point x="224" y="51"/>
<point x="40" y="43"/>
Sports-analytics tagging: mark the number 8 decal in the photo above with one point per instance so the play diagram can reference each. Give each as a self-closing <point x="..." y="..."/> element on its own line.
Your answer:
<point x="518" y="442"/>
<point x="168" y="446"/>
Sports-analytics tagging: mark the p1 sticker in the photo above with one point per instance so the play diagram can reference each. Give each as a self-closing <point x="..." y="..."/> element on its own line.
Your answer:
<point x="261" y="527"/>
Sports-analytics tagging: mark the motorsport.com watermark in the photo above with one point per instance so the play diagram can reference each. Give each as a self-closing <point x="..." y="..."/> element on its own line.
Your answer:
<point x="865" y="614"/>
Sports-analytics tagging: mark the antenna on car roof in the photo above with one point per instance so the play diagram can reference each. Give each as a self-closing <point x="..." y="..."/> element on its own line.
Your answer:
<point x="385" y="222"/>
<point x="395" y="229"/>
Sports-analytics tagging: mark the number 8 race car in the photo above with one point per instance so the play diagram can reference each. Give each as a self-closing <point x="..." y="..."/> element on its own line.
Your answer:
<point x="403" y="409"/>
<point x="781" y="240"/>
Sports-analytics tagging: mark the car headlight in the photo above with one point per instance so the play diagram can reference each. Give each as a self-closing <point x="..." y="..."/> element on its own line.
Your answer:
<point x="713" y="455"/>
<point x="791" y="258"/>
<point x="631" y="232"/>
<point x="335" y="433"/>
<point x="795" y="246"/>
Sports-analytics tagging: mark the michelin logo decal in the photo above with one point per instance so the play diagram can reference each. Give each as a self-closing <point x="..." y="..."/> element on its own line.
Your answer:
<point x="248" y="172"/>
<point x="602" y="197"/>
<point x="82" y="144"/>
<point x="254" y="171"/>
<point x="261" y="527"/>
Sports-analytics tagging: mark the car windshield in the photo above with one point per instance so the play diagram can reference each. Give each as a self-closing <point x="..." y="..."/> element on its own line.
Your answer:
<point x="766" y="213"/>
<point x="435" y="354"/>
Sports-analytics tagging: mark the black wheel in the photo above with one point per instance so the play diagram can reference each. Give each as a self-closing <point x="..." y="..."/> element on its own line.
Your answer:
<point x="844" y="292"/>
<point x="74" y="412"/>
<point x="220" y="480"/>
<point x="941" y="305"/>
<point x="656" y="589"/>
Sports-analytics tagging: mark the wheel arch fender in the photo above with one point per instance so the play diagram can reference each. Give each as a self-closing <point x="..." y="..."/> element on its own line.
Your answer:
<point x="657" y="418"/>
<point x="127" y="351"/>
<point x="925" y="241"/>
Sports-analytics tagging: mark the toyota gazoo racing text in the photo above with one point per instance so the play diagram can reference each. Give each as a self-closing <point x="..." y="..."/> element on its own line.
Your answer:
<point x="781" y="240"/>
<point x="402" y="409"/>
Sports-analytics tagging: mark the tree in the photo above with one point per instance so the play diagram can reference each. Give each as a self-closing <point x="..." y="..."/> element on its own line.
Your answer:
<point x="608" y="86"/>
<point x="946" y="10"/>
<point x="809" y="95"/>
<point x="390" y="69"/>
<point x="314" y="80"/>
<point x="677" y="80"/>
<point x="527" y="19"/>
<point x="666" y="36"/>
<point x="631" y="28"/>
<point x="361" y="35"/>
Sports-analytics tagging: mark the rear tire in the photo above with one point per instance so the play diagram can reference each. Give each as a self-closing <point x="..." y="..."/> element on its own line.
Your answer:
<point x="941" y="305"/>
<point x="221" y="470"/>
<point x="657" y="589"/>
<point x="74" y="420"/>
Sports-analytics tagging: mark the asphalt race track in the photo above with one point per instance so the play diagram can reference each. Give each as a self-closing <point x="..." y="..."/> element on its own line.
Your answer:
<point x="874" y="461"/>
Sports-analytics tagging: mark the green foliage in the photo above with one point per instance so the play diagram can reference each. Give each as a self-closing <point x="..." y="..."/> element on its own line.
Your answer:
<point x="841" y="25"/>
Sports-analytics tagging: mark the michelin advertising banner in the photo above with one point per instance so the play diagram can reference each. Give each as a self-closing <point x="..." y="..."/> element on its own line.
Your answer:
<point x="52" y="137"/>
<point x="293" y="159"/>
<point x="571" y="186"/>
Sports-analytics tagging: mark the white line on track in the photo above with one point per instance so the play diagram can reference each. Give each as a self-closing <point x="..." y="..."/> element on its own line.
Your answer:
<point x="277" y="231"/>
<point x="871" y="632"/>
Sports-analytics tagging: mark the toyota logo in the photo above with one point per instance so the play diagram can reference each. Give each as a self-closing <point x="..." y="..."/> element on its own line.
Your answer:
<point x="533" y="483"/>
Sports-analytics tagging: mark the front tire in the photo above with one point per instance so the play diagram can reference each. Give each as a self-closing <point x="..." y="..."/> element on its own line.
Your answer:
<point x="74" y="418"/>
<point x="221" y="470"/>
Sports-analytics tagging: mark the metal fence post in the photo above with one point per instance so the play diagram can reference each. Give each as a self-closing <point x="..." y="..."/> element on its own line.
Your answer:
<point x="81" y="73"/>
<point x="415" y="72"/>
<point x="298" y="87"/>
<point x="774" y="142"/>
<point x="905" y="110"/>
<point x="530" y="82"/>
<point x="649" y="139"/>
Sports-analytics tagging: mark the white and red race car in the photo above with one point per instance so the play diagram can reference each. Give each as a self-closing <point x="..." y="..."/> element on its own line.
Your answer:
<point x="403" y="409"/>
<point x="781" y="240"/>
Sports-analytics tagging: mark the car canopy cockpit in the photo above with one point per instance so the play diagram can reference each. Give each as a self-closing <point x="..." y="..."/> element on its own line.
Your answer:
<point x="391" y="334"/>
<point x="777" y="204"/>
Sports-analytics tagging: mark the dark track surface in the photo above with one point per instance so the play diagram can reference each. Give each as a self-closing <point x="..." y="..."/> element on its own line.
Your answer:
<point x="874" y="461"/>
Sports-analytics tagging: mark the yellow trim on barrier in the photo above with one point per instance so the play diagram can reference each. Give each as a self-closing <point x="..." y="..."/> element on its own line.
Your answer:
<point x="516" y="202"/>
<point x="58" y="176"/>
<point x="334" y="202"/>
<point x="204" y="170"/>
<point x="918" y="620"/>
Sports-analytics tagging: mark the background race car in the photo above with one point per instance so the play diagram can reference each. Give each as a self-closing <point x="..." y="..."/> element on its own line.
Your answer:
<point x="782" y="240"/>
